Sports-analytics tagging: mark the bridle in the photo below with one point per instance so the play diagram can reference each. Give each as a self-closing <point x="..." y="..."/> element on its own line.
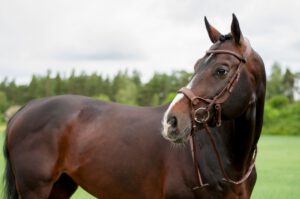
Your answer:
<point x="201" y="116"/>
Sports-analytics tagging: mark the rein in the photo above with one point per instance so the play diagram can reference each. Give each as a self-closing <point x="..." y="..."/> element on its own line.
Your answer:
<point x="201" y="115"/>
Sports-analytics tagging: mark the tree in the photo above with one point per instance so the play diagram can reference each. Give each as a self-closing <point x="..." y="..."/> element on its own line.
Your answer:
<point x="289" y="85"/>
<point x="49" y="87"/>
<point x="34" y="88"/>
<point x="124" y="89"/>
<point x="127" y="94"/>
<point x="3" y="102"/>
<point x="58" y="88"/>
<point x="281" y="84"/>
<point x="12" y="92"/>
<point x="155" y="91"/>
<point x="274" y="85"/>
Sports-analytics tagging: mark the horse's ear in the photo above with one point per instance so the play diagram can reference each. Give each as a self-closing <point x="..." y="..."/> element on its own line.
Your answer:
<point x="235" y="30"/>
<point x="213" y="33"/>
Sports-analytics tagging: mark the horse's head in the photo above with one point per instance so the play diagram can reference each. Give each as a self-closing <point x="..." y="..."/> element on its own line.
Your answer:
<point x="224" y="84"/>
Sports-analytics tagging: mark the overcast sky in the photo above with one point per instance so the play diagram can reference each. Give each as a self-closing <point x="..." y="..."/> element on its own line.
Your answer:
<point x="147" y="35"/>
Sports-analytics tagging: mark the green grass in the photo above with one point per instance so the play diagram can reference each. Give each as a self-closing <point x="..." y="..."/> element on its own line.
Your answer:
<point x="278" y="167"/>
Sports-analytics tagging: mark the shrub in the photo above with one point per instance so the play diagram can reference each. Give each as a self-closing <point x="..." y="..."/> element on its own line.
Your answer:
<point x="278" y="101"/>
<point x="282" y="121"/>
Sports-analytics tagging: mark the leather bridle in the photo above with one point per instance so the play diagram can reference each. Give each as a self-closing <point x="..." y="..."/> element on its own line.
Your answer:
<point x="201" y="115"/>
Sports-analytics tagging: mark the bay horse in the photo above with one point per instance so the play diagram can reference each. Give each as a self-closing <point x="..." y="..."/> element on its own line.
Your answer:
<point x="55" y="144"/>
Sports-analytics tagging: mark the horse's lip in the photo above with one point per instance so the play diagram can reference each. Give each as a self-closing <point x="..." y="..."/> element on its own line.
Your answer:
<point x="185" y="135"/>
<point x="179" y="140"/>
<point x="174" y="139"/>
<point x="181" y="137"/>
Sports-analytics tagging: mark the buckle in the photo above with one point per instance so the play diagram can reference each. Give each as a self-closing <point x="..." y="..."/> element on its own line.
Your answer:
<point x="203" y="113"/>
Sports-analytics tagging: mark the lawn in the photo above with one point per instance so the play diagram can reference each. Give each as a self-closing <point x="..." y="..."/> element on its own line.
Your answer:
<point x="278" y="165"/>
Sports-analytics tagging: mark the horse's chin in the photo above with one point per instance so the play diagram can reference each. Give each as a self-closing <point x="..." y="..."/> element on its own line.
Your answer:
<point x="180" y="137"/>
<point x="181" y="140"/>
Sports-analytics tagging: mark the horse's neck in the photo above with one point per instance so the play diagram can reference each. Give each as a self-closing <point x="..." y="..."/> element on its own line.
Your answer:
<point x="235" y="141"/>
<point x="243" y="138"/>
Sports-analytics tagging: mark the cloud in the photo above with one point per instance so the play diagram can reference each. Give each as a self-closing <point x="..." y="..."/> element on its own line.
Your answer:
<point x="150" y="35"/>
<point x="98" y="56"/>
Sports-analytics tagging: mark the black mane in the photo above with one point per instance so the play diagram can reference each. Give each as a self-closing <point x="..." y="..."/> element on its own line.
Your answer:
<point x="223" y="38"/>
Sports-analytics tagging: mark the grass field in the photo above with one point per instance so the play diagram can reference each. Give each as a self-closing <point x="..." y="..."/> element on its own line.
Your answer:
<point x="278" y="165"/>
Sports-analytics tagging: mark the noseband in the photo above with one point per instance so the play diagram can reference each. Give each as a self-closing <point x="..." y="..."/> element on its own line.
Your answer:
<point x="201" y="115"/>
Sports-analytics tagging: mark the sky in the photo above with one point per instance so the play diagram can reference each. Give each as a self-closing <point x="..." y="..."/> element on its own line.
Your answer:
<point x="146" y="35"/>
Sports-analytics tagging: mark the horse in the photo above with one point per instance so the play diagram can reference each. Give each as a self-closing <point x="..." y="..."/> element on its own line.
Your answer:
<point x="55" y="144"/>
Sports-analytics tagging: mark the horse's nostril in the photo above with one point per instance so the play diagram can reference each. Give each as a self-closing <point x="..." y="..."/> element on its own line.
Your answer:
<point x="172" y="121"/>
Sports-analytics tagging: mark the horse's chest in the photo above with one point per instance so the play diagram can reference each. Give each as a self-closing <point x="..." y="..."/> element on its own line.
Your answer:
<point x="177" y="189"/>
<point x="209" y="192"/>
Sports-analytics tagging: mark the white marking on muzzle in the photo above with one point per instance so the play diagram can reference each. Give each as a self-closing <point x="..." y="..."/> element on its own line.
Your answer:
<point x="166" y="126"/>
<point x="177" y="98"/>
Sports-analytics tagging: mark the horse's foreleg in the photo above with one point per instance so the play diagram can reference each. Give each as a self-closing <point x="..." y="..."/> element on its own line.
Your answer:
<point x="36" y="194"/>
<point x="35" y="174"/>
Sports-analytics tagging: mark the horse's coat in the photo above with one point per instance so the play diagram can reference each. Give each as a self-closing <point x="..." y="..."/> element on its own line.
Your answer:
<point x="116" y="151"/>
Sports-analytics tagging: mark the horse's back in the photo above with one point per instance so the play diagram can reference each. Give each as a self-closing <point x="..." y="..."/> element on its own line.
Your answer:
<point x="41" y="111"/>
<point x="56" y="112"/>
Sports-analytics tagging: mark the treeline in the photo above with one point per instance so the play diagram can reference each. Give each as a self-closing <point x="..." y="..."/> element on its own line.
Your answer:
<point x="124" y="88"/>
<point x="282" y="112"/>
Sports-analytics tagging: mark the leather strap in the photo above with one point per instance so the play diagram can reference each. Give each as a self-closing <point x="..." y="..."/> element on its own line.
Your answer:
<point x="216" y="101"/>
<point x="242" y="59"/>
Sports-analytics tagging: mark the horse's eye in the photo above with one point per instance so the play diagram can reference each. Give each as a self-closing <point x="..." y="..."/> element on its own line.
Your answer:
<point x="221" y="72"/>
